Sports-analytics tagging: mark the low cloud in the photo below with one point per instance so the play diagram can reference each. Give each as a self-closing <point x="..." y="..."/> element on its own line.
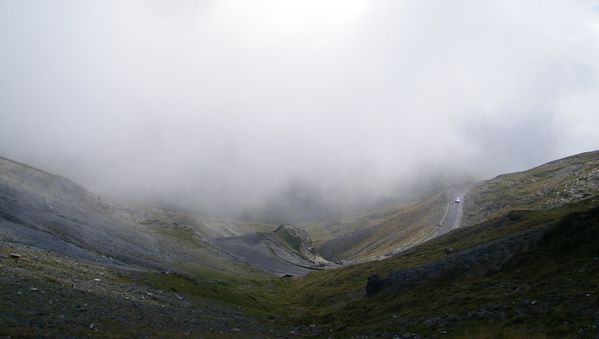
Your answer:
<point x="230" y="107"/>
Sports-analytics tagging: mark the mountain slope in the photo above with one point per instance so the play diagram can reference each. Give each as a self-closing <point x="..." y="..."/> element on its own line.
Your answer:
<point x="385" y="232"/>
<point x="525" y="273"/>
<point x="49" y="211"/>
<point x="75" y="264"/>
<point x="381" y="233"/>
<point x="529" y="268"/>
<point x="551" y="185"/>
<point x="53" y="213"/>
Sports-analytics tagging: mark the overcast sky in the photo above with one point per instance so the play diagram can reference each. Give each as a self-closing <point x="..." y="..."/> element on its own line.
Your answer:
<point x="225" y="104"/>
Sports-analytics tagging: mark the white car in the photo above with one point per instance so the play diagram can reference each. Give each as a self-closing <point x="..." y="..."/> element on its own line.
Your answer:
<point x="457" y="200"/>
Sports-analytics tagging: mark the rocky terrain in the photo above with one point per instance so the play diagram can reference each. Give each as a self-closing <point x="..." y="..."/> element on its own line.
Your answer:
<point x="551" y="185"/>
<point x="84" y="265"/>
<point x="45" y="294"/>
<point x="53" y="213"/>
<point x="526" y="264"/>
<point x="286" y="251"/>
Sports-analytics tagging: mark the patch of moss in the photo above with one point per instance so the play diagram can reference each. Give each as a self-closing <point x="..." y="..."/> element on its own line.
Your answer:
<point x="256" y="295"/>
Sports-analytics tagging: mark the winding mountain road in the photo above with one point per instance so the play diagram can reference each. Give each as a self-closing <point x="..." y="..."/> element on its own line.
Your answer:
<point x="453" y="213"/>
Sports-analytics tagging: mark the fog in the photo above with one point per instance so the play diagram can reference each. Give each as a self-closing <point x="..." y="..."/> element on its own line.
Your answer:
<point x="230" y="108"/>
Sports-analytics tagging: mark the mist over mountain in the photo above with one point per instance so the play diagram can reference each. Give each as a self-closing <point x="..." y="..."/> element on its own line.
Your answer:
<point x="295" y="111"/>
<point x="299" y="168"/>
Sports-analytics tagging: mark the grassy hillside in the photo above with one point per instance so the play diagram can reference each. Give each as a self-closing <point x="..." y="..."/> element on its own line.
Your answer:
<point x="381" y="232"/>
<point x="548" y="285"/>
<point x="551" y="185"/>
<point x="396" y="228"/>
<point x="528" y="269"/>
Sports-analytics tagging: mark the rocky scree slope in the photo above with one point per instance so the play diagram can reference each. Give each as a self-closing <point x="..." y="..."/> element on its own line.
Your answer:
<point x="75" y="264"/>
<point x="53" y="213"/>
<point x="286" y="251"/>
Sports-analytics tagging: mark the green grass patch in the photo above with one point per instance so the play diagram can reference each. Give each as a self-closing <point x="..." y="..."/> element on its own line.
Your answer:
<point x="254" y="294"/>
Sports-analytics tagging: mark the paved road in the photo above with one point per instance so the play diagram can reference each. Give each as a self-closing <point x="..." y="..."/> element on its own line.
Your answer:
<point x="453" y="213"/>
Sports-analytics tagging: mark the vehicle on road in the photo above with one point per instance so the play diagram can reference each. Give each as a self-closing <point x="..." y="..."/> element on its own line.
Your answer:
<point x="457" y="200"/>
